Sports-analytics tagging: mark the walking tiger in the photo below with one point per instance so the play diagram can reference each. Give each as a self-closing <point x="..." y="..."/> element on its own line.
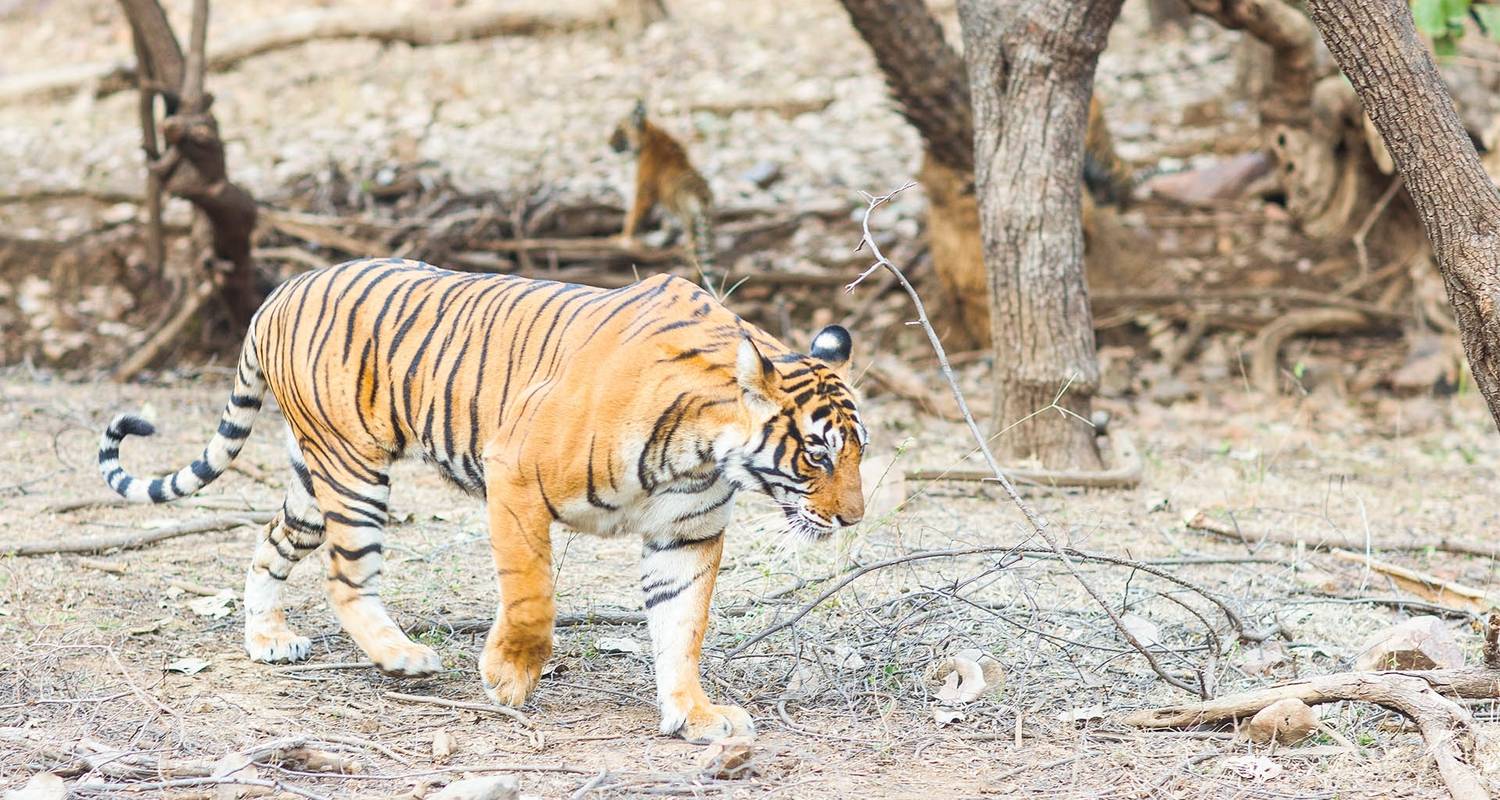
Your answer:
<point x="640" y="410"/>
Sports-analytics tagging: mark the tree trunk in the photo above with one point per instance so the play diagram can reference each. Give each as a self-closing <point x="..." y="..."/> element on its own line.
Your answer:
<point x="192" y="164"/>
<point x="1037" y="57"/>
<point x="1375" y="43"/>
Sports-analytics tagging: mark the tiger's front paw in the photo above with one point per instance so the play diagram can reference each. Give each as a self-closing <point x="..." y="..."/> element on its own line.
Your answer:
<point x="511" y="670"/>
<point x="707" y="723"/>
<point x="407" y="659"/>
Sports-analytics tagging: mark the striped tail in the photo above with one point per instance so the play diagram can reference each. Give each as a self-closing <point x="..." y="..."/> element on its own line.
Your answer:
<point x="703" y="249"/>
<point x="234" y="429"/>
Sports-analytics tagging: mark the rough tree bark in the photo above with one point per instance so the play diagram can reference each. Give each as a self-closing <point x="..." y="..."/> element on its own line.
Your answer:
<point x="1376" y="44"/>
<point x="1039" y="56"/>
<point x="928" y="80"/>
<point x="191" y="164"/>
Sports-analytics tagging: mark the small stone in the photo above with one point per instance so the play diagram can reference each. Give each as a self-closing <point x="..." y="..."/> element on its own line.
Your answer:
<point x="1418" y="643"/>
<point x="1286" y="721"/>
<point x="728" y="759"/>
<point x="762" y="174"/>
<point x="490" y="787"/>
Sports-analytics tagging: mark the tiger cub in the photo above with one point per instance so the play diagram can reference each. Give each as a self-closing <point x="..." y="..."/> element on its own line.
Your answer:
<point x="664" y="176"/>
<point x="641" y="410"/>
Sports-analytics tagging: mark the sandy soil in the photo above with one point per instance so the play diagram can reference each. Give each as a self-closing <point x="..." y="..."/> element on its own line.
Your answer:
<point x="842" y="700"/>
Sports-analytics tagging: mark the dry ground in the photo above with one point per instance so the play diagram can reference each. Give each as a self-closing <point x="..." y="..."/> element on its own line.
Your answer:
<point x="841" y="700"/>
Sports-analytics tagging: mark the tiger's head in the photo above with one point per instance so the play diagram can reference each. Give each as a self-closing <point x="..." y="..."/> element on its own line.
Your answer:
<point x="627" y="135"/>
<point x="806" y="438"/>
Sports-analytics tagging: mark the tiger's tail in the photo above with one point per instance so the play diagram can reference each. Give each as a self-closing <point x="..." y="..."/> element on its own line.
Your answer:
<point x="234" y="429"/>
<point x="704" y="257"/>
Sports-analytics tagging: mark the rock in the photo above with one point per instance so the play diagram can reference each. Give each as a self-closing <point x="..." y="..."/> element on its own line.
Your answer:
<point x="1285" y="722"/>
<point x="490" y="787"/>
<point x="728" y="759"/>
<point x="1225" y="180"/>
<point x="762" y="174"/>
<point x="1418" y="643"/>
<point x="42" y="786"/>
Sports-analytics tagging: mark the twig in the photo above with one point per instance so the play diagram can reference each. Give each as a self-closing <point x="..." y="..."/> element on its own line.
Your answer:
<point x="112" y="567"/>
<point x="1201" y="521"/>
<point x="1037" y="523"/>
<point x="1364" y="228"/>
<point x="484" y="708"/>
<point x="182" y="783"/>
<point x="295" y="668"/>
<point x="850" y="578"/>
<point x="1125" y="475"/>
<point x="130" y="541"/>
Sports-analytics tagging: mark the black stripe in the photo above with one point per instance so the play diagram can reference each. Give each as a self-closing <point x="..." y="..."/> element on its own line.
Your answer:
<point x="355" y="555"/>
<point x="244" y="401"/>
<point x="229" y="430"/>
<point x="202" y="470"/>
<point x="154" y="489"/>
<point x="677" y="544"/>
<point x="336" y="517"/>
<point x="109" y="453"/>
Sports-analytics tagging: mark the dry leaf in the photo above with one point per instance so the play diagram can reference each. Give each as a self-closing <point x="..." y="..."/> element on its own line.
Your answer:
<point x="1095" y="711"/>
<point x="728" y="759"/>
<point x="188" y="666"/>
<point x="1252" y="768"/>
<point x="442" y="745"/>
<point x="611" y="644"/>
<point x="1144" y="630"/>
<point x="215" y="607"/>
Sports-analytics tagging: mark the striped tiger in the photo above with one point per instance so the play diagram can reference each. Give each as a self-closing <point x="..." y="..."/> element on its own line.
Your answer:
<point x="641" y="410"/>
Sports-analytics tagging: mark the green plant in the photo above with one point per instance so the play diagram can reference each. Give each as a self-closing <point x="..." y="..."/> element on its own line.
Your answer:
<point x="1444" y="21"/>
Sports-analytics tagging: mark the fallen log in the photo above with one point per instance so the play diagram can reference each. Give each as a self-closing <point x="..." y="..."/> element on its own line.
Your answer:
<point x="417" y="27"/>
<point x="136" y="539"/>
<point x="1423" y="696"/>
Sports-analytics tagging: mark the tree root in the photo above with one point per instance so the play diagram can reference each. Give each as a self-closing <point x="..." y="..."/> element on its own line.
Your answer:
<point x="1265" y="367"/>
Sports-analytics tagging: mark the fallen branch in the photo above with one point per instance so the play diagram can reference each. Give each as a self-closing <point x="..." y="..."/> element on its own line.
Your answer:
<point x="1124" y="476"/>
<point x="484" y="708"/>
<point x="1445" y="725"/>
<point x="1265" y="358"/>
<point x="164" y="336"/>
<point x="131" y="541"/>
<point x="1038" y="525"/>
<point x="417" y="27"/>
<point x="1424" y="585"/>
<point x="1201" y="521"/>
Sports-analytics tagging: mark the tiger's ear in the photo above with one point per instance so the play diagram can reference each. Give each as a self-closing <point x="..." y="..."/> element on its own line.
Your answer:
<point x="833" y="346"/>
<point x="755" y="373"/>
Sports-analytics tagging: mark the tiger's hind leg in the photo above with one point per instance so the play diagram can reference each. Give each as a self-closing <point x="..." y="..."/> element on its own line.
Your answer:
<point x="296" y="531"/>
<point x="353" y="494"/>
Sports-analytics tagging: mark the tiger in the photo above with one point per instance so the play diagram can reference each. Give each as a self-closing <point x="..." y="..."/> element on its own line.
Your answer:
<point x="664" y="175"/>
<point x="640" y="410"/>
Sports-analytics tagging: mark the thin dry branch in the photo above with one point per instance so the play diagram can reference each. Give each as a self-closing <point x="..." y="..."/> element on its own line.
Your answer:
<point x="1126" y="473"/>
<point x="130" y="541"/>
<point x="484" y="708"/>
<point x="1038" y="524"/>
<point x="1424" y="585"/>
<point x="1201" y="521"/>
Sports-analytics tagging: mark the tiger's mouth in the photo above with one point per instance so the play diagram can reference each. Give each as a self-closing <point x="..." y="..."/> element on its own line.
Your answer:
<point x="804" y="523"/>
